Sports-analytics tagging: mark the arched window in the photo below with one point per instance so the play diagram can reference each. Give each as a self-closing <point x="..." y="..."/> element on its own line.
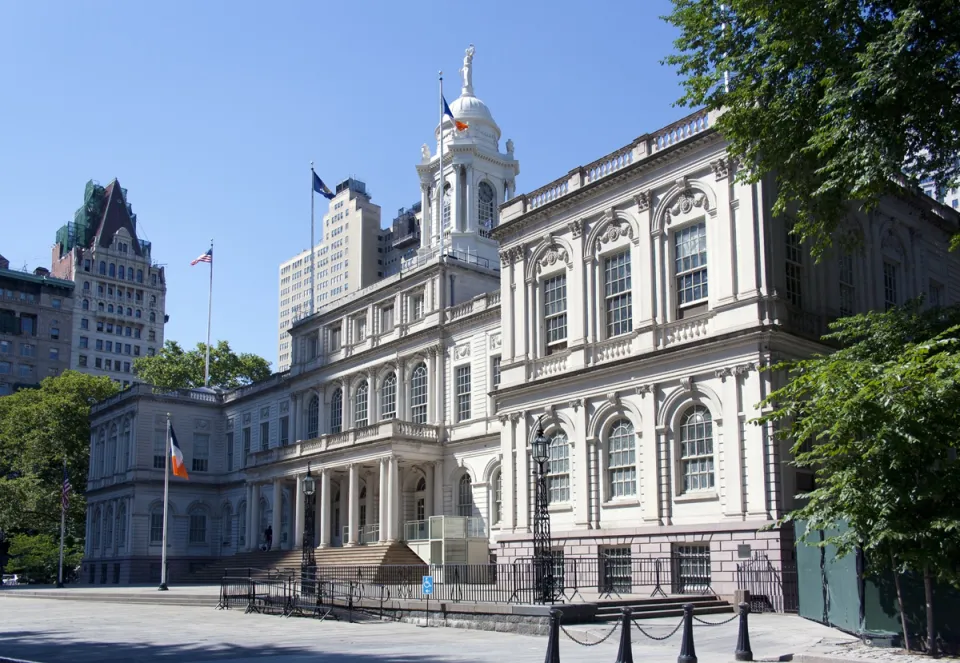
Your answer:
<point x="139" y="276"/>
<point x="418" y="394"/>
<point x="696" y="449"/>
<point x="121" y="272"/>
<point x="313" y="417"/>
<point x="129" y="311"/>
<point x="446" y="207"/>
<point x="110" y="308"/>
<point x="336" y="411"/>
<point x="497" y="513"/>
<point x="85" y="305"/>
<point x="86" y="286"/>
<point x="558" y="469"/>
<point x="622" y="460"/>
<point x="97" y="515"/>
<point x="101" y="307"/>
<point x="486" y="206"/>
<point x="102" y="267"/>
<point x="153" y="316"/>
<point x="112" y="451"/>
<point x="113" y="269"/>
<point x="465" y="496"/>
<point x="153" y="300"/>
<point x="198" y="525"/>
<point x="421" y="485"/>
<point x="125" y="441"/>
<point x="138" y="314"/>
<point x="360" y="406"/>
<point x="388" y="397"/>
<point x="121" y="525"/>
<point x="108" y="530"/>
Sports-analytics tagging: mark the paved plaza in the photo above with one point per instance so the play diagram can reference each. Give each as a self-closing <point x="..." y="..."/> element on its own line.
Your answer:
<point x="50" y="631"/>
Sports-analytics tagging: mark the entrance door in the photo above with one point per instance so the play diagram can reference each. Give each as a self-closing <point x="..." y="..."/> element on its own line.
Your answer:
<point x="336" y="539"/>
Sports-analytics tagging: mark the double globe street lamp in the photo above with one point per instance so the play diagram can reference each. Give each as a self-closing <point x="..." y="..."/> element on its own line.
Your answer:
<point x="542" y="545"/>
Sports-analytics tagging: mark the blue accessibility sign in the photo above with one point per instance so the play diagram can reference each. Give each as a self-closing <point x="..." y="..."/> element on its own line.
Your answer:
<point x="427" y="585"/>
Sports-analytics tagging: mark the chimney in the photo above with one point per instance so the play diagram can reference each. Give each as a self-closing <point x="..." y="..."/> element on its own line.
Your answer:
<point x="4" y="263"/>
<point x="41" y="271"/>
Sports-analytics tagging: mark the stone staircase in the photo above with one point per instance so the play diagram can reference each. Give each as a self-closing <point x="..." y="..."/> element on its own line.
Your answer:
<point x="669" y="606"/>
<point x="388" y="554"/>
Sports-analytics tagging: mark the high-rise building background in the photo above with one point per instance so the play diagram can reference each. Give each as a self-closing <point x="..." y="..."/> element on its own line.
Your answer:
<point x="119" y="305"/>
<point x="36" y="323"/>
<point x="348" y="256"/>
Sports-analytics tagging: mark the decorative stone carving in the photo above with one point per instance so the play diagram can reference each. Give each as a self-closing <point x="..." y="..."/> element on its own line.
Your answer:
<point x="246" y="418"/>
<point x="467" y="70"/>
<point x="575" y="404"/>
<point x="553" y="255"/>
<point x="686" y="383"/>
<point x="687" y="201"/>
<point x="425" y="153"/>
<point x="518" y="253"/>
<point x="642" y="200"/>
<point x="612" y="233"/>
<point x="510" y="147"/>
<point x="503" y="419"/>
<point x="514" y="417"/>
<point x="461" y="351"/>
<point x="284" y="407"/>
<point x="644" y="389"/>
<point x="723" y="373"/>
<point x="614" y="399"/>
<point x="506" y="257"/>
<point x="576" y="228"/>
<point x="721" y="168"/>
<point x="496" y="340"/>
<point x="743" y="369"/>
<point x="201" y="424"/>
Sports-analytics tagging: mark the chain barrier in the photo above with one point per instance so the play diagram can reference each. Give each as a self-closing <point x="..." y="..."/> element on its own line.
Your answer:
<point x="706" y="623"/>
<point x="653" y="637"/>
<point x="589" y="644"/>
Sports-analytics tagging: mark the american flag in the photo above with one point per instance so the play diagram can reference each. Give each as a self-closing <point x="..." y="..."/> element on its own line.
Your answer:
<point x="206" y="257"/>
<point x="65" y="493"/>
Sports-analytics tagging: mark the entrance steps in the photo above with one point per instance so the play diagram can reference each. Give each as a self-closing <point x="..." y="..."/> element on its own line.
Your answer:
<point x="396" y="553"/>
<point x="669" y="606"/>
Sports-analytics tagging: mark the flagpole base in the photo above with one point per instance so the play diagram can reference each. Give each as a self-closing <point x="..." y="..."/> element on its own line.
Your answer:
<point x="59" y="585"/>
<point x="163" y="587"/>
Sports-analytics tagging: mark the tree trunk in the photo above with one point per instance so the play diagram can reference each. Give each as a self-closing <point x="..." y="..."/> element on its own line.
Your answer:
<point x="931" y="627"/>
<point x="903" y="615"/>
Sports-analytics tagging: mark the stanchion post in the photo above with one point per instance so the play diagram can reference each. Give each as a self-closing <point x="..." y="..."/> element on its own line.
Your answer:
<point x="553" y="639"/>
<point x="625" y="653"/>
<point x="743" y="652"/>
<point x="687" y="652"/>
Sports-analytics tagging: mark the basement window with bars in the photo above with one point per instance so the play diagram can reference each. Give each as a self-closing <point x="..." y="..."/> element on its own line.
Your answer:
<point x="692" y="568"/>
<point x="616" y="570"/>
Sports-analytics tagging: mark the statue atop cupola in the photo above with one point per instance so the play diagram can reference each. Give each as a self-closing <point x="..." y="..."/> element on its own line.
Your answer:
<point x="467" y="72"/>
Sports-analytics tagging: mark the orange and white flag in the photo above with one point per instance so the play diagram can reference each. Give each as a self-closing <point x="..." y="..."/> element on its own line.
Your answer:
<point x="176" y="456"/>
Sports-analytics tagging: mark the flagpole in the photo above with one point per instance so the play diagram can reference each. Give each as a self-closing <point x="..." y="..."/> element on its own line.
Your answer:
<point x="63" y="525"/>
<point x="440" y="190"/>
<point x="312" y="271"/>
<point x="206" y="366"/>
<point x="166" y="492"/>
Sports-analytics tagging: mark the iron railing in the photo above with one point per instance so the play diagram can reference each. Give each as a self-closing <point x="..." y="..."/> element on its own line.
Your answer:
<point x="771" y="589"/>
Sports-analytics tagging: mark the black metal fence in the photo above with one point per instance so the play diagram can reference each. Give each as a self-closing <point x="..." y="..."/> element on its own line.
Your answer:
<point x="771" y="589"/>
<point x="605" y="576"/>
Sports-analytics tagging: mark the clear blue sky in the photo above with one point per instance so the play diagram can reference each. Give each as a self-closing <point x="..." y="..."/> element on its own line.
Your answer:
<point x="210" y="112"/>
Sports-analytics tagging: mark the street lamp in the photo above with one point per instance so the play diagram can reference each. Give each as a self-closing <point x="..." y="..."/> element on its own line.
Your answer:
<point x="542" y="545"/>
<point x="308" y="562"/>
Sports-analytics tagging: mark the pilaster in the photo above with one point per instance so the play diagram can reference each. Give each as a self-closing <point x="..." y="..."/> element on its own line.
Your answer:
<point x="384" y="493"/>
<point x="354" y="504"/>
<point x="298" y="519"/>
<point x="324" y="503"/>
<point x="276" y="521"/>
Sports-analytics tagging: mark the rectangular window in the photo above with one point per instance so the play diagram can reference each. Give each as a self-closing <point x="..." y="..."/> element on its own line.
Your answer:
<point x="496" y="372"/>
<point x="159" y="449"/>
<point x="416" y="307"/>
<point x="693" y="568"/>
<point x="690" y="263"/>
<point x="845" y="281"/>
<point x="361" y="328"/>
<point x="84" y="323"/>
<point x="99" y="325"/>
<point x="126" y="367"/>
<point x="109" y="346"/>
<point x="198" y="528"/>
<point x="230" y="448"/>
<point x="264" y="434"/>
<point x="56" y="302"/>
<point x="28" y="350"/>
<point x="5" y="367"/>
<point x="794" y="268"/>
<point x="617" y="570"/>
<point x="28" y="325"/>
<point x="55" y="333"/>
<point x="616" y="285"/>
<point x="201" y="452"/>
<point x="98" y="344"/>
<point x="97" y="362"/>
<point x="156" y="527"/>
<point x="555" y="312"/>
<point x="83" y="361"/>
<point x="463" y="392"/>
<point x="936" y="294"/>
<point x="891" y="293"/>
<point x="334" y="339"/>
<point x="5" y="347"/>
<point x="245" y="434"/>
<point x="84" y="342"/>
<point x="55" y="354"/>
<point x="284" y="431"/>
<point x="26" y="370"/>
<point x="386" y="319"/>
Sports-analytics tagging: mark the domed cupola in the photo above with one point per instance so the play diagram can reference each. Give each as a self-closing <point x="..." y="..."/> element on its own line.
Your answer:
<point x="469" y="109"/>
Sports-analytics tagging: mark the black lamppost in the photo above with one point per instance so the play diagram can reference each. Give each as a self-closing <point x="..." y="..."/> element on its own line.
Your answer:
<point x="308" y="563"/>
<point x="542" y="545"/>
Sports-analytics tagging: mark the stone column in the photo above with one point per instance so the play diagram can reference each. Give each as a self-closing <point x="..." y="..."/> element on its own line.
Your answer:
<point x="507" y="474"/>
<point x="428" y="493"/>
<point x="401" y="407"/>
<point x="384" y="492"/>
<point x="441" y="378"/>
<point x="579" y="297"/>
<point x="437" y="494"/>
<point x="294" y="432"/>
<point x="299" y="520"/>
<point x="648" y="475"/>
<point x="276" y="521"/>
<point x="523" y="476"/>
<point x="431" y="387"/>
<point x="586" y="502"/>
<point x="731" y="449"/>
<point x="369" y="481"/>
<point x="254" y="532"/>
<point x="324" y="503"/>
<point x="506" y="305"/>
<point x="354" y="504"/>
<point x="394" y="503"/>
<point x="755" y="459"/>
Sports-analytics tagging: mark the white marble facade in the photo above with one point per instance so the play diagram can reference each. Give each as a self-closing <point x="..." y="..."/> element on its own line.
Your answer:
<point x="637" y="302"/>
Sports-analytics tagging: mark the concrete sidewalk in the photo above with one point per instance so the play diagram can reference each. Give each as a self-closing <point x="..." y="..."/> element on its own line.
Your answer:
<point x="49" y="631"/>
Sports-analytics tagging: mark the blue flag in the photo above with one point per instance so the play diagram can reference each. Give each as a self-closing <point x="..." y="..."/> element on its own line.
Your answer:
<point x="321" y="188"/>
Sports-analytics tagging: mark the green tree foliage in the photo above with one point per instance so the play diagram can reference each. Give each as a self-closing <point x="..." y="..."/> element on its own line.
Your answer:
<point x="877" y="420"/>
<point x="176" y="368"/>
<point x="39" y="428"/>
<point x="836" y="98"/>
<point x="36" y="557"/>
